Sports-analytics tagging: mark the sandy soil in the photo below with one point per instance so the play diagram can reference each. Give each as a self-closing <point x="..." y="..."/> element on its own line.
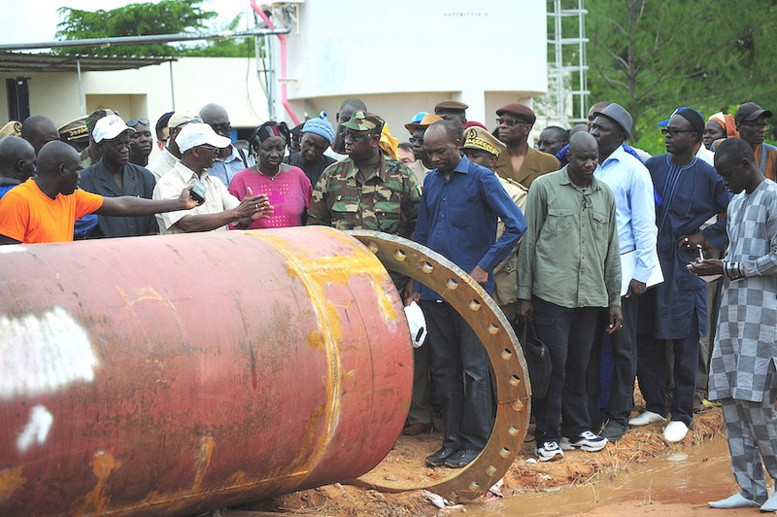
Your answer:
<point x="405" y="462"/>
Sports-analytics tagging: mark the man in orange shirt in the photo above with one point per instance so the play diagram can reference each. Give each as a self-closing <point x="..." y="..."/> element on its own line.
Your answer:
<point x="45" y="207"/>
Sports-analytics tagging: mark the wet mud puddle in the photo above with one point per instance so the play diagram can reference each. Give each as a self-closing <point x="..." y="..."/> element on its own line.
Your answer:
<point x="677" y="484"/>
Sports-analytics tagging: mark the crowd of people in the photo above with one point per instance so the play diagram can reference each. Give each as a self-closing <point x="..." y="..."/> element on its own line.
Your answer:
<point x="610" y="255"/>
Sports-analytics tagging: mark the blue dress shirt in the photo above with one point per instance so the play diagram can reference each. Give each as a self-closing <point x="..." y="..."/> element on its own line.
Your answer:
<point x="457" y="218"/>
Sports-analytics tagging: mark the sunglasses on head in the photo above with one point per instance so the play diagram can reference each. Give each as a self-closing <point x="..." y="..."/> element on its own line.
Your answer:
<point x="135" y="121"/>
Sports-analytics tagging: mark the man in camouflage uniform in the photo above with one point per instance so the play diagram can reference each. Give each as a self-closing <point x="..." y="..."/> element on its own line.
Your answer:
<point x="367" y="190"/>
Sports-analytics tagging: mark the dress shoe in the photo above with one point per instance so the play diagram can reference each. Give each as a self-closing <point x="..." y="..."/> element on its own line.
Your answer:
<point x="419" y="428"/>
<point x="462" y="458"/>
<point x="675" y="431"/>
<point x="438" y="458"/>
<point x="646" y="418"/>
<point x="613" y="431"/>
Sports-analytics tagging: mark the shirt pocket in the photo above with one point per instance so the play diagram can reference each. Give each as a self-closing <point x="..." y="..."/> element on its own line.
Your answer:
<point x="344" y="214"/>
<point x="388" y="215"/>
<point x="681" y="205"/>
<point x="600" y="226"/>
<point x="559" y="221"/>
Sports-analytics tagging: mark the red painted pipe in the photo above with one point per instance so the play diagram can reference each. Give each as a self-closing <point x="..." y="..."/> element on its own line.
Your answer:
<point x="172" y="375"/>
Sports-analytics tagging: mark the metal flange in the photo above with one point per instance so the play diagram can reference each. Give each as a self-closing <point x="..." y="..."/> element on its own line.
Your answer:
<point x="513" y="390"/>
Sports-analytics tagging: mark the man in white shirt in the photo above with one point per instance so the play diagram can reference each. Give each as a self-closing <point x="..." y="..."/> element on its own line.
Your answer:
<point x="199" y="146"/>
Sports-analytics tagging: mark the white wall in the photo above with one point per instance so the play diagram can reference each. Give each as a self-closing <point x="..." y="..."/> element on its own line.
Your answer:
<point x="146" y="92"/>
<point x="404" y="56"/>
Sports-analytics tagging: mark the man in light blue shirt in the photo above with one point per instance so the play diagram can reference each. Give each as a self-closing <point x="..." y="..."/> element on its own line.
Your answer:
<point x="635" y="214"/>
<point x="225" y="167"/>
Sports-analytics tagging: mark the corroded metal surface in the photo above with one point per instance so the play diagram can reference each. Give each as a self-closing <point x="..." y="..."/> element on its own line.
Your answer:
<point x="513" y="391"/>
<point x="171" y="375"/>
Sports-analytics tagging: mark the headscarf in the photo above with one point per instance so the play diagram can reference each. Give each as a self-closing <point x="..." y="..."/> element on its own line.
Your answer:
<point x="267" y="130"/>
<point x="726" y="121"/>
<point x="388" y="144"/>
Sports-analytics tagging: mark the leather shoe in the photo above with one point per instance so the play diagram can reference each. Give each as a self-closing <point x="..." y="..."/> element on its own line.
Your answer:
<point x="462" y="458"/>
<point x="419" y="428"/>
<point x="438" y="458"/>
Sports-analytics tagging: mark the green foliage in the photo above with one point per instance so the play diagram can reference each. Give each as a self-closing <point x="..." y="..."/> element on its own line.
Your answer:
<point x="652" y="57"/>
<point x="145" y="18"/>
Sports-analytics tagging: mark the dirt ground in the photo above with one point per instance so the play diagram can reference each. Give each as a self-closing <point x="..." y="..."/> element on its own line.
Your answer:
<point x="406" y="462"/>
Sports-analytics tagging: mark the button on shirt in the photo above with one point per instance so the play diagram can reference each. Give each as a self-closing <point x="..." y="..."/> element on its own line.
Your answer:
<point x="458" y="216"/>
<point x="217" y="198"/>
<point x="635" y="209"/>
<point x="569" y="255"/>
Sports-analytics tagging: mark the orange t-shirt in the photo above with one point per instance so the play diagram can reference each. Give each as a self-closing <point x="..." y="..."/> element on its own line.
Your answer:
<point x="30" y="216"/>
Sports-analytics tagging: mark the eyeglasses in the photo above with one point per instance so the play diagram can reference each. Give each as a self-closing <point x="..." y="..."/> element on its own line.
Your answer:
<point x="135" y="121"/>
<point x="419" y="141"/>
<point x="674" y="131"/>
<point x="509" y="121"/>
<point x="209" y="148"/>
<point x="345" y="135"/>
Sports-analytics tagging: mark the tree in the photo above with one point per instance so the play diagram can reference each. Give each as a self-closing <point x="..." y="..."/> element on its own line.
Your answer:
<point x="141" y="19"/>
<point x="652" y="57"/>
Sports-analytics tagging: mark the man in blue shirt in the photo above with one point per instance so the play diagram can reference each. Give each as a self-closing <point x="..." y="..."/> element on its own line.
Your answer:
<point x="635" y="214"/>
<point x="233" y="159"/>
<point x="688" y="193"/>
<point x="457" y="218"/>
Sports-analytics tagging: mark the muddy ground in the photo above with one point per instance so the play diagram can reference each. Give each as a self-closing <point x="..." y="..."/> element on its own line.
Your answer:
<point x="406" y="462"/>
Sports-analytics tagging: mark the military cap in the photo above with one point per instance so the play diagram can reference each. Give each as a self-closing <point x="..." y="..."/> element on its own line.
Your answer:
<point x="450" y="105"/>
<point x="478" y="138"/>
<point x="13" y="128"/>
<point x="365" y="121"/>
<point x="523" y="113"/>
<point x="74" y="131"/>
<point x="425" y="122"/>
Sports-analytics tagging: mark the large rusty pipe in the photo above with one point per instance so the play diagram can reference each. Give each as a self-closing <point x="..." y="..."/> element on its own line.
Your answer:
<point x="170" y="375"/>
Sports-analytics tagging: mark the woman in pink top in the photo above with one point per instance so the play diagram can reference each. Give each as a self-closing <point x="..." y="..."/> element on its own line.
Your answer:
<point x="286" y="186"/>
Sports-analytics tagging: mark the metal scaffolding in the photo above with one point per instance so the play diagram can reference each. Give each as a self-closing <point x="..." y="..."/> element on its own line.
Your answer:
<point x="568" y="69"/>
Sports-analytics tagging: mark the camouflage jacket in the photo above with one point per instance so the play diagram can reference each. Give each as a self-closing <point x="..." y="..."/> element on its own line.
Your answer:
<point x="387" y="201"/>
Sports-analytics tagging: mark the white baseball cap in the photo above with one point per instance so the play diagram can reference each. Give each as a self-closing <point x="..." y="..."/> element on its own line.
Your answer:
<point x="417" y="324"/>
<point x="108" y="128"/>
<point x="199" y="133"/>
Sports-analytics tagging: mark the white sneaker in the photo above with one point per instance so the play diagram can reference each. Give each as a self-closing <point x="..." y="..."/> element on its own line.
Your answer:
<point x="549" y="451"/>
<point x="675" y="431"/>
<point x="646" y="418"/>
<point x="587" y="441"/>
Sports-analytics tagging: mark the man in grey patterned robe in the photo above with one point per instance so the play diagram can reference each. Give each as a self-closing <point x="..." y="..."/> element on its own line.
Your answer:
<point x="743" y="375"/>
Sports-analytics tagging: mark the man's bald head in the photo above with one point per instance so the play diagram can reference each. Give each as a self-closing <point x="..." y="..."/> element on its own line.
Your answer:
<point x="582" y="142"/>
<point x="39" y="130"/>
<point x="17" y="158"/>
<point x="216" y="117"/>
<point x="54" y="154"/>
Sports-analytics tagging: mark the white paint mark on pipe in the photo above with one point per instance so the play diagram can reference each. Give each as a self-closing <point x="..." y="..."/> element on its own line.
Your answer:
<point x="13" y="248"/>
<point x="43" y="353"/>
<point x="37" y="429"/>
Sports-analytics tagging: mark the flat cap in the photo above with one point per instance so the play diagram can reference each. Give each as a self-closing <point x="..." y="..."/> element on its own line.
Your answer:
<point x="450" y="105"/>
<point x="518" y="110"/>
<point x="750" y="111"/>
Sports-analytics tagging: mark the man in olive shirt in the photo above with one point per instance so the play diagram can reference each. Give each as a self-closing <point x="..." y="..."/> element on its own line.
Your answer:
<point x="568" y="268"/>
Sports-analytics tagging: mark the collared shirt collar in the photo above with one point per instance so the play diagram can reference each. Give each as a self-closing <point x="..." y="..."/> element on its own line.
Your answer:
<point x="564" y="180"/>
<point x="462" y="167"/>
<point x="616" y="155"/>
<point x="380" y="173"/>
<point x="187" y="174"/>
<point x="232" y="157"/>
